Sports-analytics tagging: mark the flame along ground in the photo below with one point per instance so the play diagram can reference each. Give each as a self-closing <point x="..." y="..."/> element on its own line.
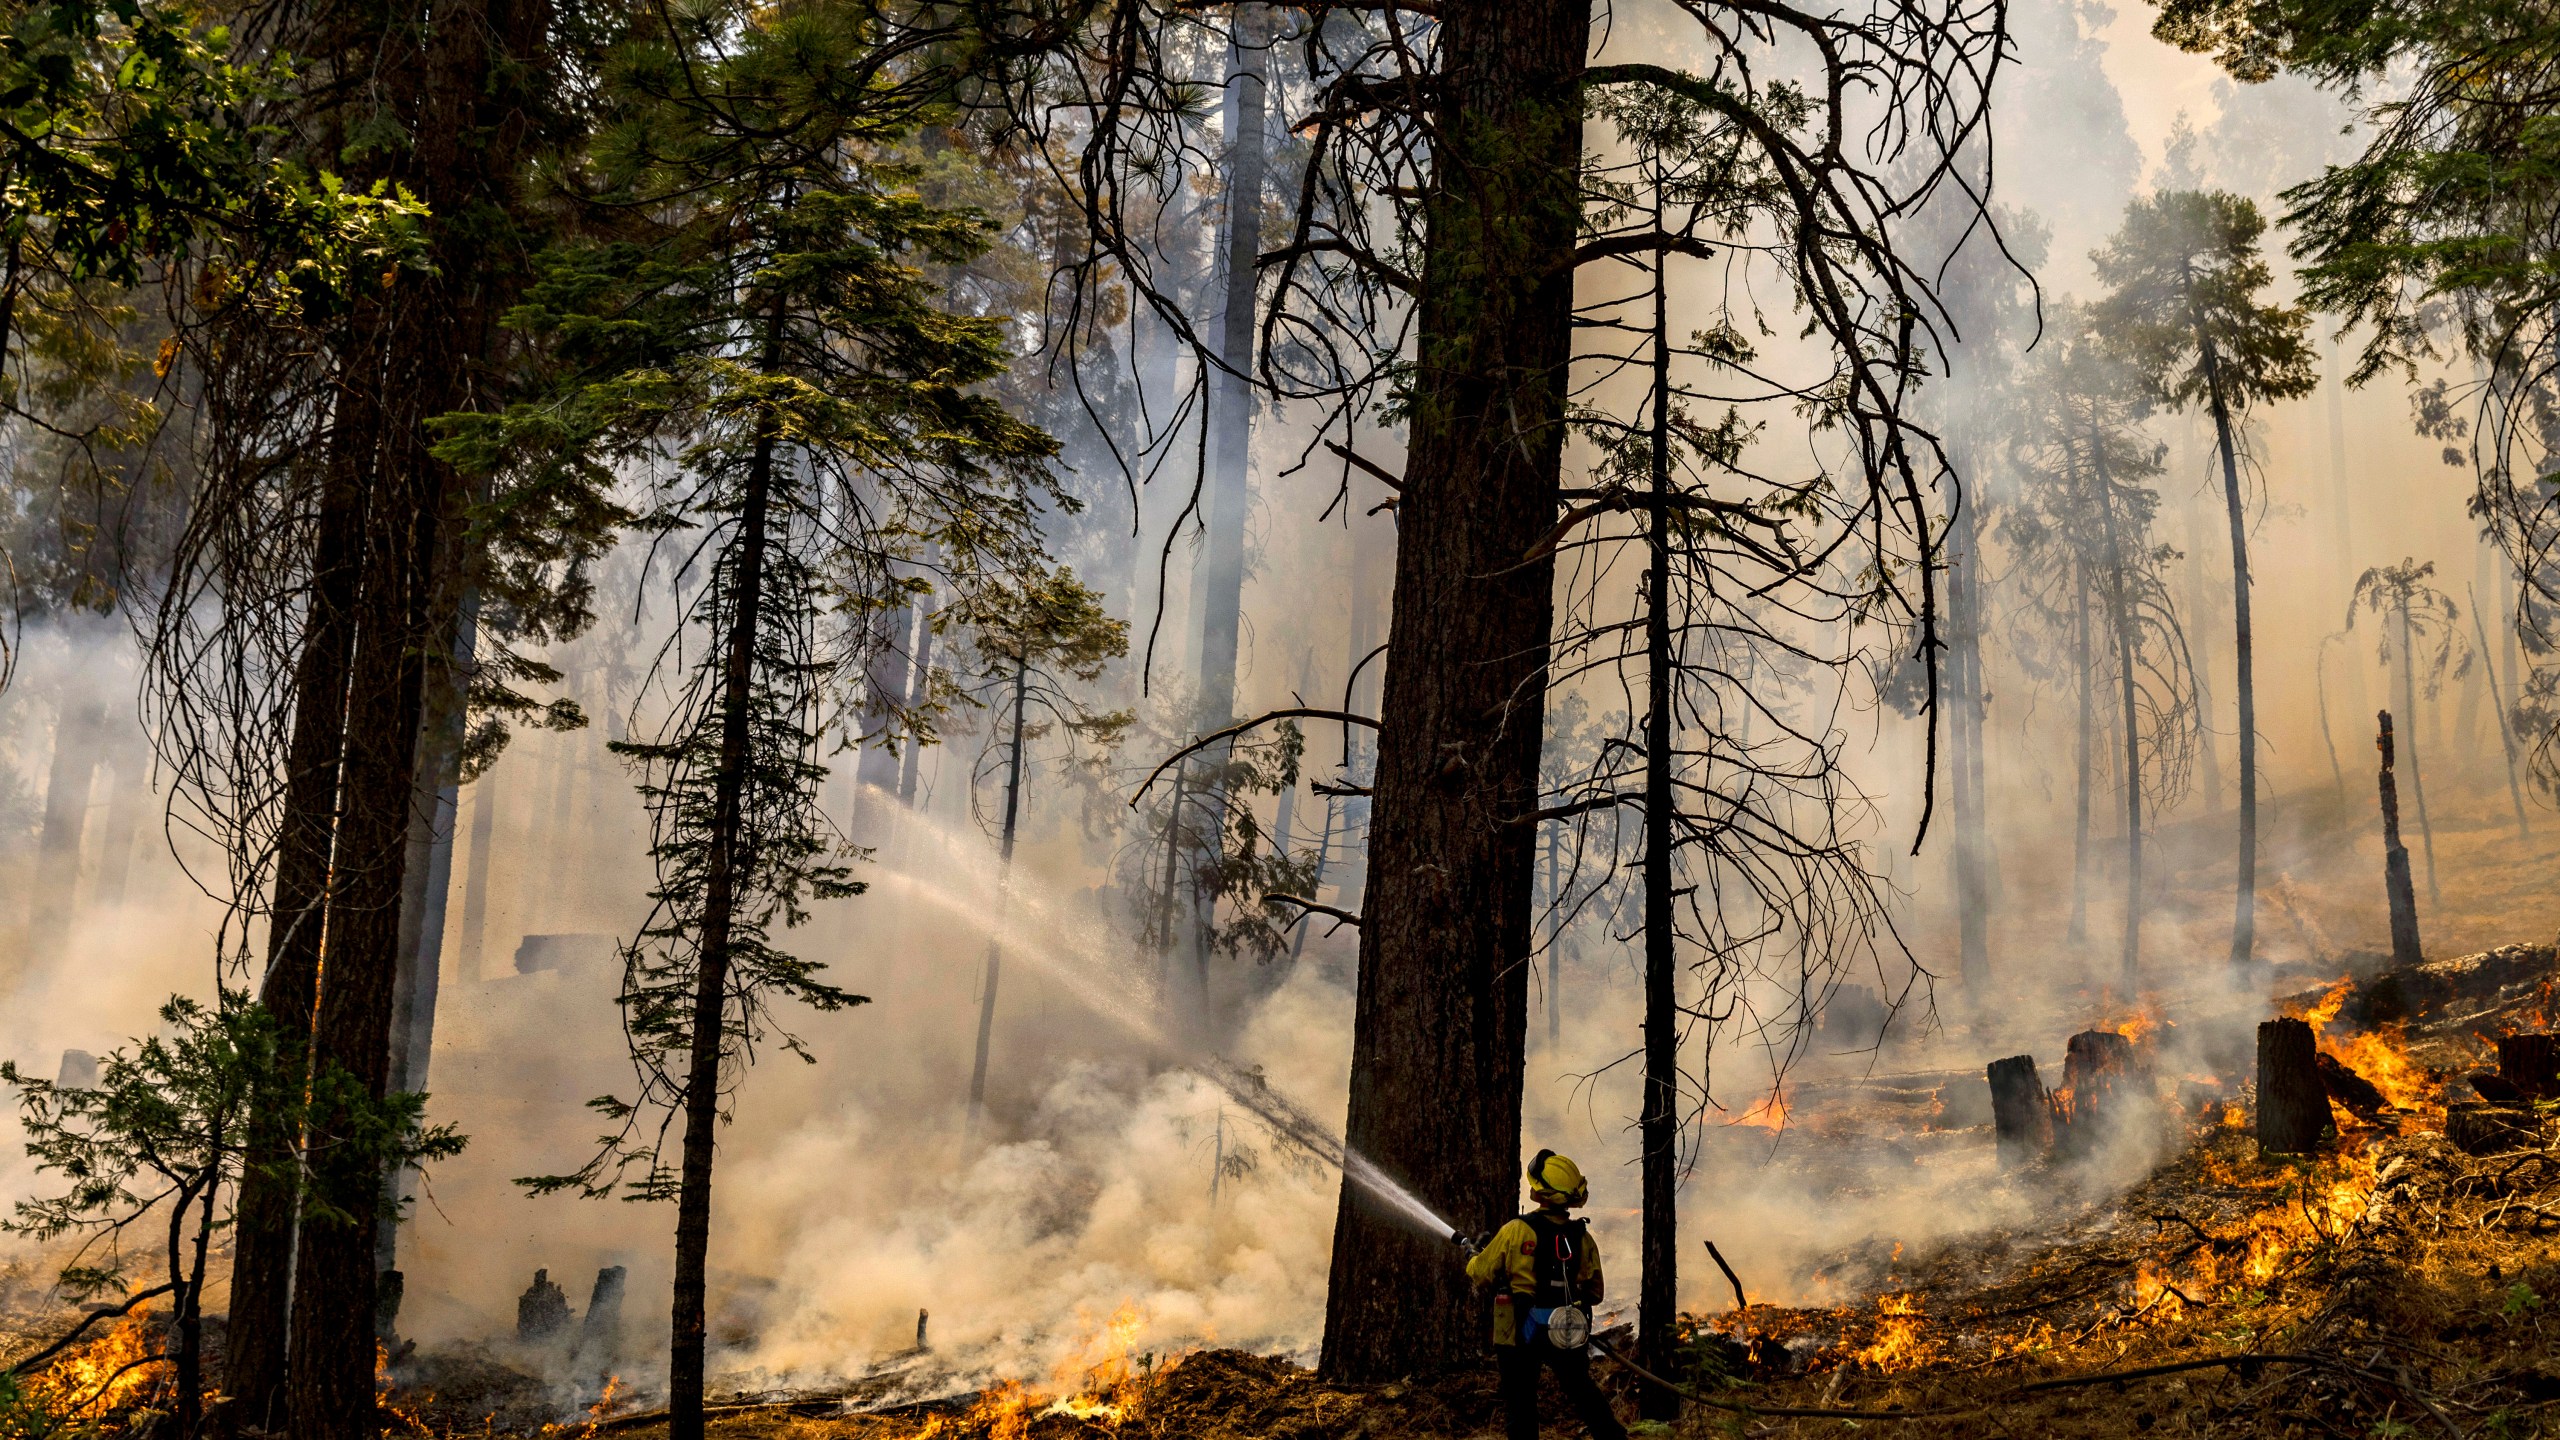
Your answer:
<point x="114" y="1373"/>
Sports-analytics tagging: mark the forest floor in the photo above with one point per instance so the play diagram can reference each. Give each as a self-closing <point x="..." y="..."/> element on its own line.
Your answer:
<point x="2394" y="1285"/>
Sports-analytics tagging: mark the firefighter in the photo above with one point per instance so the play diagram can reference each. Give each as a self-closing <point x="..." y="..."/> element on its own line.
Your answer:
<point x="1544" y="1270"/>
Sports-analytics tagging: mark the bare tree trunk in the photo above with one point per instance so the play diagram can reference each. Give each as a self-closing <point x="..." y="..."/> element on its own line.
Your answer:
<point x="1971" y="852"/>
<point x="2244" y="915"/>
<point x="475" y="883"/>
<point x="2506" y="726"/>
<point x="1218" y="589"/>
<point x="995" y="947"/>
<point x="924" y="672"/>
<point x="428" y="876"/>
<point x="331" y="1349"/>
<point x="125" y="805"/>
<point x="1658" y="1306"/>
<point x="268" y="1209"/>
<point x="2397" y="890"/>
<point x="2417" y="775"/>
<point x="2128" y="657"/>
<point x="1441" y="1021"/>
<point x="1555" y="944"/>
<point x="719" y="911"/>
<point x="2084" y="760"/>
<point x="79" y="718"/>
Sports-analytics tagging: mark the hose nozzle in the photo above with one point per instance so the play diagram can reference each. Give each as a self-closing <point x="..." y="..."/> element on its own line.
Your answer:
<point x="1460" y="1239"/>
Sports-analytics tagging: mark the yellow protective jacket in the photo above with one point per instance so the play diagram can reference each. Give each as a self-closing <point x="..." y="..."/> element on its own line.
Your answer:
<point x="1508" y="1266"/>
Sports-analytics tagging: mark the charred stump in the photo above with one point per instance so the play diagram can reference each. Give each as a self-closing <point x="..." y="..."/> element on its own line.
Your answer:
<point x="2021" y="1112"/>
<point x="2293" y="1104"/>
<point x="2531" y="1063"/>
<point x="2101" y="1086"/>
<point x="542" y="1311"/>
<point x="2490" y="1129"/>
<point x="2395" y="861"/>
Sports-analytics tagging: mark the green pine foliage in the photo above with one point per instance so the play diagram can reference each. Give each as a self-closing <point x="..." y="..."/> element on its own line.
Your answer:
<point x="150" y="1158"/>
<point x="757" y="341"/>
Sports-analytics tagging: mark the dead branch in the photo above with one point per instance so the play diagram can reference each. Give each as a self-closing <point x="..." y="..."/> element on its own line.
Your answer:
<point x="1739" y="1302"/>
<point x="1340" y="916"/>
<point x="103" y="1312"/>
<point x="1232" y="731"/>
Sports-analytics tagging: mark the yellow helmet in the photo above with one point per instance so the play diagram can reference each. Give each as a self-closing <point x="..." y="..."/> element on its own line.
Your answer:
<point x="1556" y="1180"/>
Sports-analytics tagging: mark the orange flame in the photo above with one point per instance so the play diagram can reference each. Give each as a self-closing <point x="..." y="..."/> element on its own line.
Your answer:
<point x="1897" y="1343"/>
<point x="1769" y="1112"/>
<point x="1097" y="1383"/>
<point x="102" y="1376"/>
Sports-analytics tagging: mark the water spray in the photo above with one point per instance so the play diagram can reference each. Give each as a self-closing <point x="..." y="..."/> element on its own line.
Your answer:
<point x="1104" y="983"/>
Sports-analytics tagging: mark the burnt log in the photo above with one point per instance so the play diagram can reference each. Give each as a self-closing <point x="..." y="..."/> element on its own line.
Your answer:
<point x="2531" y="1063"/>
<point x="2490" y="1129"/>
<point x="2021" y="1112"/>
<point x="2350" y="1089"/>
<point x="2497" y="1089"/>
<point x="2293" y="1106"/>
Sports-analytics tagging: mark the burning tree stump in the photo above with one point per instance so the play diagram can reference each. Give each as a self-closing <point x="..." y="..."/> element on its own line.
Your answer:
<point x="2395" y="865"/>
<point x="2293" y="1106"/>
<point x="2101" y="1085"/>
<point x="2021" y="1112"/>
<point x="2531" y="1063"/>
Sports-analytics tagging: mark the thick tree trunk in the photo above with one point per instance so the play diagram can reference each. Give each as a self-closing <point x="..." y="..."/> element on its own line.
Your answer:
<point x="1658" y="1306"/>
<point x="1228" y="493"/>
<point x="263" y="1228"/>
<point x="720" y="879"/>
<point x="995" y="947"/>
<point x="426" y="348"/>
<point x="1441" y="1020"/>
<point x="2401" y="895"/>
<point x="1218" y="584"/>
<point x="331" y="1349"/>
<point x="2293" y="1106"/>
<point x="2244" y="915"/>
<point x="428" y="877"/>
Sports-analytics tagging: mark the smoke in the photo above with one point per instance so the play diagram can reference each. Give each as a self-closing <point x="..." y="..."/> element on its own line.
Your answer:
<point x="1120" y="1165"/>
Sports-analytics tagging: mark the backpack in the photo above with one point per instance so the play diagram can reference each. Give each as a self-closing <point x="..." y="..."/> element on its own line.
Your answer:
<point x="1556" y="1259"/>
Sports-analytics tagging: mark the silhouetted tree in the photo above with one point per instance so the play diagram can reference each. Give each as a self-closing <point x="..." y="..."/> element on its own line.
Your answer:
<point x="2185" y="278"/>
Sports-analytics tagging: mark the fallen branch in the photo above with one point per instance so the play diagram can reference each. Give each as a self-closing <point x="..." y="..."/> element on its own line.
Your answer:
<point x="103" y="1312"/>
